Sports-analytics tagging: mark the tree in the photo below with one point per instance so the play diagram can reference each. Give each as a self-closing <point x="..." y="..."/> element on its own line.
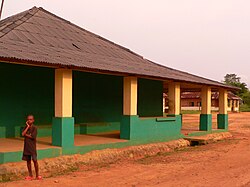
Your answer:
<point x="246" y="98"/>
<point x="234" y="80"/>
<point x="231" y="79"/>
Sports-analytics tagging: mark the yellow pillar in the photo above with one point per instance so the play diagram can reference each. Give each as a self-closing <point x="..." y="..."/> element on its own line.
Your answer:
<point x="222" y="117"/>
<point x="130" y="96"/>
<point x="63" y="93"/>
<point x="234" y="105"/>
<point x="63" y="122"/>
<point x="238" y="104"/>
<point x="231" y="104"/>
<point x="206" y="100"/>
<point x="174" y="95"/>
<point x="164" y="102"/>
<point x="223" y="105"/>
<point x="206" y="116"/>
<point x="180" y="102"/>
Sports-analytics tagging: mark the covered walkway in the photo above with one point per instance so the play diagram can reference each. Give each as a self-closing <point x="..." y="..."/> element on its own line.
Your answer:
<point x="16" y="144"/>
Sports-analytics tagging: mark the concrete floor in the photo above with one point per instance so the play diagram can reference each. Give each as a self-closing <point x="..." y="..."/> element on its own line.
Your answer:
<point x="16" y="144"/>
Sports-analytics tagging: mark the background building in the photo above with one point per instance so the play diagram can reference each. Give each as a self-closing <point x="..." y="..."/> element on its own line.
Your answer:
<point x="192" y="101"/>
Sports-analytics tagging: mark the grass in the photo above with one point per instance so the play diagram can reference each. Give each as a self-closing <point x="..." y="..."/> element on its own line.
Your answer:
<point x="244" y="108"/>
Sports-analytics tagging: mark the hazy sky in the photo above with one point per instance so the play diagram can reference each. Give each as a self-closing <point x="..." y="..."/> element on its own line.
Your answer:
<point x="204" y="37"/>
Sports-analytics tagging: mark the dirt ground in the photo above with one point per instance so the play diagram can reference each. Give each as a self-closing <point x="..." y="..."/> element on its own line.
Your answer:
<point x="225" y="163"/>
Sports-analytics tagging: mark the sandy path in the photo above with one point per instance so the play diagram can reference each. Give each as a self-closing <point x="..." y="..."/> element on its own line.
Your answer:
<point x="226" y="163"/>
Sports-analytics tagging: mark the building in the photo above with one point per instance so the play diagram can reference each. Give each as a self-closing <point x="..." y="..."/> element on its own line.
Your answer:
<point x="192" y="101"/>
<point x="56" y="71"/>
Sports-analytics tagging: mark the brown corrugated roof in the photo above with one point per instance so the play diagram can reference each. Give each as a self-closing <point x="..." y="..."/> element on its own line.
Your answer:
<point x="37" y="36"/>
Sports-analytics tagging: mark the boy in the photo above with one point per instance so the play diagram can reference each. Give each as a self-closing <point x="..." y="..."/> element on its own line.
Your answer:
<point x="29" y="150"/>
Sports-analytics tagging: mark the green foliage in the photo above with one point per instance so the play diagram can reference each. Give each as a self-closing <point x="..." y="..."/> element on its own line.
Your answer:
<point x="244" y="93"/>
<point x="246" y="98"/>
<point x="234" y="80"/>
<point x="245" y="108"/>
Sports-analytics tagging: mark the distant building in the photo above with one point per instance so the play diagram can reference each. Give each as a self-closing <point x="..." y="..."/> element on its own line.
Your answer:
<point x="192" y="101"/>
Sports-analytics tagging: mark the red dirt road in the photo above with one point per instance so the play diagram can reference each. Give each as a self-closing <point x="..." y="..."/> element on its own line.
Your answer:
<point x="226" y="163"/>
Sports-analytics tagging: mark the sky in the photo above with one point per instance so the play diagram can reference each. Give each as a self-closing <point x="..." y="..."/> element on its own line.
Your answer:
<point x="209" y="38"/>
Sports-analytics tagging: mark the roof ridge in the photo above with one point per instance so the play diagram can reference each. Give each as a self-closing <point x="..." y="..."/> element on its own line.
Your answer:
<point x="96" y="35"/>
<point x="31" y="12"/>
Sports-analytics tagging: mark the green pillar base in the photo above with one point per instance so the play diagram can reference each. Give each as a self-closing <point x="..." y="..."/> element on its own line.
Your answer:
<point x="63" y="131"/>
<point x="125" y="128"/>
<point x="222" y="121"/>
<point x="206" y="122"/>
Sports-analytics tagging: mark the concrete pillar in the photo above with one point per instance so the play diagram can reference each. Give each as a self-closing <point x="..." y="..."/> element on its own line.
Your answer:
<point x="206" y="116"/>
<point x="180" y="101"/>
<point x="129" y="106"/>
<point x="231" y="105"/>
<point x="174" y="95"/>
<point x="222" y="117"/>
<point x="223" y="101"/>
<point x="130" y="96"/>
<point x="164" y="104"/>
<point x="238" y="104"/>
<point x="63" y="122"/>
<point x="234" y="105"/>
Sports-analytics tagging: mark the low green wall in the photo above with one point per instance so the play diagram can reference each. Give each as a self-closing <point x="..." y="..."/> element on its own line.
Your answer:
<point x="150" y="129"/>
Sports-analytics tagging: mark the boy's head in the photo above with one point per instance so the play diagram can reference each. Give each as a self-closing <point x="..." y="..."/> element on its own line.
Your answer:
<point x="30" y="119"/>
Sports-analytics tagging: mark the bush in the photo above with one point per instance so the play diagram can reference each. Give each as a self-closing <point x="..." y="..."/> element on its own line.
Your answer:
<point x="244" y="108"/>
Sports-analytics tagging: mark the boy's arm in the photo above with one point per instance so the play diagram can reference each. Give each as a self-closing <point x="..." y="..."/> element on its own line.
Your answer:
<point x="25" y="130"/>
<point x="29" y="136"/>
<point x="33" y="134"/>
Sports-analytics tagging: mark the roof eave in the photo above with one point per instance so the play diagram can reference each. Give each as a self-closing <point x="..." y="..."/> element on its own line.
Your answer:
<point x="50" y="65"/>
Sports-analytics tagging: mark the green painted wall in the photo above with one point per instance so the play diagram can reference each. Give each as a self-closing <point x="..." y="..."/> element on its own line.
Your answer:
<point x="97" y="101"/>
<point x="222" y="121"/>
<point x="150" y="96"/>
<point x="151" y="129"/>
<point x="63" y="132"/>
<point x="25" y="90"/>
<point x="205" y="122"/>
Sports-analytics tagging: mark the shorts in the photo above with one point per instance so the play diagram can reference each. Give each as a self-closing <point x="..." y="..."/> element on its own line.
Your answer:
<point x="29" y="157"/>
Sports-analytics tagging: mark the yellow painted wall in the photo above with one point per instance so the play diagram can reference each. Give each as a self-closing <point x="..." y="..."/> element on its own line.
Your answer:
<point x="206" y="100"/>
<point x="130" y="96"/>
<point x="174" y="95"/>
<point x="223" y="105"/>
<point x="63" y="93"/>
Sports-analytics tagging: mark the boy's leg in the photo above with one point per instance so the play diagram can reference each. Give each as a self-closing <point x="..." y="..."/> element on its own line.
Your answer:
<point x="29" y="168"/>
<point x="36" y="168"/>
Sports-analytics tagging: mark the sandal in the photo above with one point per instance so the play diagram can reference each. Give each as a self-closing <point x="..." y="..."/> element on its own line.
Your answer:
<point x="39" y="178"/>
<point x="28" y="178"/>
